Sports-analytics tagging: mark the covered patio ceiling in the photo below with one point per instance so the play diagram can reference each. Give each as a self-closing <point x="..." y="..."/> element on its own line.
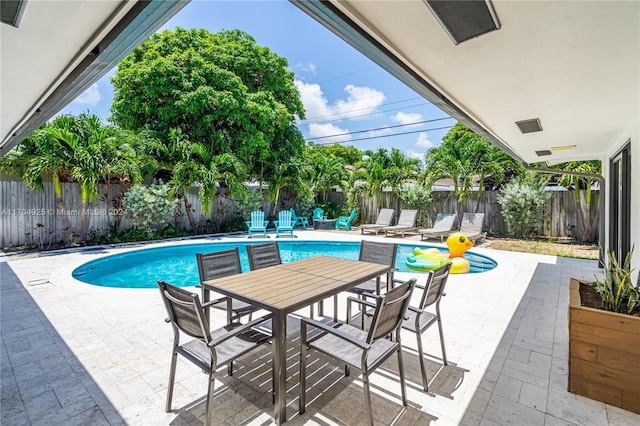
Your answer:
<point x="572" y="65"/>
<point x="52" y="51"/>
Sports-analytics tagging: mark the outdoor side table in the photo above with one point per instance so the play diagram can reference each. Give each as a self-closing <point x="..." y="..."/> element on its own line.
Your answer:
<point x="324" y="224"/>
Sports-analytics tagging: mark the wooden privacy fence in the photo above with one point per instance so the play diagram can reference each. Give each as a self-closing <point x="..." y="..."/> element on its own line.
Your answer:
<point x="32" y="217"/>
<point x="560" y="214"/>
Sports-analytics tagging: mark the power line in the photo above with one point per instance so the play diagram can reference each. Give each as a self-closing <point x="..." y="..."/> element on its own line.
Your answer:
<point x="380" y="136"/>
<point x="347" y="75"/>
<point x="377" y="112"/>
<point x="386" y="127"/>
<point x="360" y="109"/>
<point x="368" y="97"/>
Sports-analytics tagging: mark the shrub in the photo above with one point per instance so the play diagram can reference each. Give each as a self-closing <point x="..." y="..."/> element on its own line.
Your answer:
<point x="417" y="197"/>
<point x="150" y="208"/>
<point x="523" y="208"/>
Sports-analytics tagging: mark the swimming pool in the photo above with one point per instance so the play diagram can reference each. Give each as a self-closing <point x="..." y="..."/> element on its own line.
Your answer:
<point x="177" y="264"/>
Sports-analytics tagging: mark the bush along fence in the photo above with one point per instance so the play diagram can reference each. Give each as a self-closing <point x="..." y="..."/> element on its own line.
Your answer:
<point x="34" y="218"/>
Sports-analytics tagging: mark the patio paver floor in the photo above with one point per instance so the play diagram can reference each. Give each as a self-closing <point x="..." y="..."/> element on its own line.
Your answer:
<point x="74" y="353"/>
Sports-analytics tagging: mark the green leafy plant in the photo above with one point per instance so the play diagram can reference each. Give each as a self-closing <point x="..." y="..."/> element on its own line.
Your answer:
<point x="617" y="292"/>
<point x="417" y="197"/>
<point x="149" y="207"/>
<point x="523" y="208"/>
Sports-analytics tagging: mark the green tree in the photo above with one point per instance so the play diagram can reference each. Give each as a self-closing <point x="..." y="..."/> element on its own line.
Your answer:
<point x="583" y="187"/>
<point x="292" y="174"/>
<point x="75" y="149"/>
<point x="201" y="168"/>
<point x="328" y="170"/>
<point x="381" y="169"/>
<point x="219" y="90"/>
<point x="349" y="154"/>
<point x="463" y="156"/>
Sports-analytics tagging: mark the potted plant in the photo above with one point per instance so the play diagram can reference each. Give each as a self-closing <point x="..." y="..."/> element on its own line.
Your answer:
<point x="604" y="337"/>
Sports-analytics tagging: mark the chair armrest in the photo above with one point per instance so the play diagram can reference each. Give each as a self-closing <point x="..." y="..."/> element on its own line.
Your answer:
<point x="214" y="301"/>
<point x="276" y="223"/>
<point x="239" y="330"/>
<point x="335" y="331"/>
<point x="248" y="224"/>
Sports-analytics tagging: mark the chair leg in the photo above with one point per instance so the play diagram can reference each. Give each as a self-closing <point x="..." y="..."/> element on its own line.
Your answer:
<point x="172" y="377"/>
<point x="444" y="351"/>
<point x="303" y="368"/>
<point x="230" y="368"/>
<point x="423" y="368"/>
<point x="403" y="387"/>
<point x="207" y="413"/>
<point x="367" y="397"/>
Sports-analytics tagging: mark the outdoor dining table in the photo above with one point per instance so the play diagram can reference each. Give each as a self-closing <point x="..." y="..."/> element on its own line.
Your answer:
<point x="282" y="289"/>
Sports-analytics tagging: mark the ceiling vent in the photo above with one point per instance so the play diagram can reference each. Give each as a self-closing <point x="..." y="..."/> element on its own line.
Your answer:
<point x="11" y="11"/>
<point x="529" y="126"/>
<point x="464" y="19"/>
<point x="543" y="152"/>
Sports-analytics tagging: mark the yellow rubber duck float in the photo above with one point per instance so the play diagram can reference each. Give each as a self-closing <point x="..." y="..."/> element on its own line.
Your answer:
<point x="425" y="260"/>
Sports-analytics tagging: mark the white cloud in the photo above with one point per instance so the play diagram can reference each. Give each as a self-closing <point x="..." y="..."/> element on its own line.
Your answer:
<point x="91" y="96"/>
<point x="361" y="102"/>
<point x="414" y="154"/>
<point x="424" y="142"/>
<point x="314" y="101"/>
<point x="320" y="130"/>
<point x="308" y="67"/>
<point x="407" y="118"/>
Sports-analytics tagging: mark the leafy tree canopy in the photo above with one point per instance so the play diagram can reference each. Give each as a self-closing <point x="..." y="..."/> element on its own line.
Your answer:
<point x="219" y="90"/>
<point x="349" y="154"/>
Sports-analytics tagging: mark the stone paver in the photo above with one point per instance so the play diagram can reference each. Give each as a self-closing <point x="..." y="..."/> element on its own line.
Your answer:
<point x="73" y="353"/>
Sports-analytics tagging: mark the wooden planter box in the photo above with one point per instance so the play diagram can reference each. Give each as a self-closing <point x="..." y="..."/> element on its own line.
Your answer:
<point x="604" y="354"/>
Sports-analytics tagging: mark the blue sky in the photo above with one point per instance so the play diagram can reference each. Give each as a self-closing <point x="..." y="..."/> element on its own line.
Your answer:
<point x="344" y="93"/>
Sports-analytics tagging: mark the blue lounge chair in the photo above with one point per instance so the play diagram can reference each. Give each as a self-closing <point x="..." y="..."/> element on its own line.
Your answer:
<point x="257" y="224"/>
<point x="318" y="214"/>
<point x="299" y="220"/>
<point x="285" y="223"/>
<point x="346" y="220"/>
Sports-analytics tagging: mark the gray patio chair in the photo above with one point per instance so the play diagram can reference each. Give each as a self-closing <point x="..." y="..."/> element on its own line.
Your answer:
<point x="418" y="319"/>
<point x="263" y="255"/>
<point x="217" y="265"/>
<point x="385" y="218"/>
<point x="471" y="226"/>
<point x="364" y="350"/>
<point x="381" y="253"/>
<point x="374" y="252"/>
<point x="206" y="349"/>
<point x="406" y="223"/>
<point x="442" y="227"/>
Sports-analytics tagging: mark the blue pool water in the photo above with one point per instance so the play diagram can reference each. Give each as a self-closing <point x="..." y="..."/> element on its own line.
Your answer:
<point x="177" y="264"/>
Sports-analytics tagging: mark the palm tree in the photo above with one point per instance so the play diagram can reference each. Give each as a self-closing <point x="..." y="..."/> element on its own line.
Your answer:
<point x="580" y="184"/>
<point x="76" y="149"/>
<point x="328" y="171"/>
<point x="294" y="174"/>
<point x="490" y="161"/>
<point x="462" y="156"/>
<point x="206" y="171"/>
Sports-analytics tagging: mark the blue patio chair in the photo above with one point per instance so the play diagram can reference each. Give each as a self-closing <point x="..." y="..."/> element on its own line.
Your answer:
<point x="318" y="214"/>
<point x="285" y="223"/>
<point x="346" y="220"/>
<point x="257" y="224"/>
<point x="299" y="220"/>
